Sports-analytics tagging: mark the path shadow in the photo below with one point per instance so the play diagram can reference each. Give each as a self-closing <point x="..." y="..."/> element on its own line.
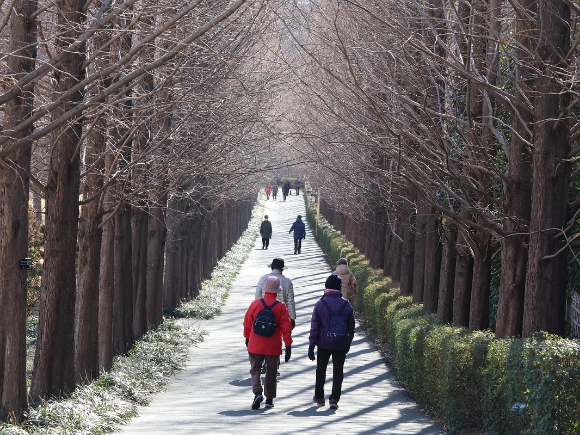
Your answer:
<point x="244" y="412"/>
<point x="312" y="411"/>
<point x="242" y="382"/>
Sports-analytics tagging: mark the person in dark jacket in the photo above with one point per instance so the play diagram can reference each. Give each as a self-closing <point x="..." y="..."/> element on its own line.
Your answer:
<point x="297" y="185"/>
<point x="320" y="318"/>
<point x="274" y="191"/>
<point x="299" y="233"/>
<point x="285" y="189"/>
<point x="266" y="232"/>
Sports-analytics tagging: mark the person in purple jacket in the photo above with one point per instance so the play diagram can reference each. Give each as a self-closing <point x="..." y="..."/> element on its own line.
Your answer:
<point x="334" y="301"/>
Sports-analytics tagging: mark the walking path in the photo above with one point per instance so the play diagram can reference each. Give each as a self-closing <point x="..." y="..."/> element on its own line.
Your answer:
<point x="213" y="394"/>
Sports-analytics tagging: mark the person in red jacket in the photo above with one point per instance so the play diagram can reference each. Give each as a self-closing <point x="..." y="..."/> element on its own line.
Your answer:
<point x="262" y="348"/>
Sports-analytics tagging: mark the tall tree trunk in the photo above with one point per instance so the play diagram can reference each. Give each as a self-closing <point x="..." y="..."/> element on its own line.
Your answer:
<point x="53" y="373"/>
<point x="106" y="295"/>
<point x="140" y="218"/>
<point x="433" y="254"/>
<point x="408" y="255"/>
<point x="123" y="294"/>
<point x="139" y="225"/>
<point x="518" y="191"/>
<point x="397" y="250"/>
<point x="90" y="234"/>
<point x="123" y="245"/>
<point x="479" y="304"/>
<point x="107" y="274"/>
<point x="463" y="280"/>
<point x="155" y="259"/>
<point x="388" y="249"/>
<point x="545" y="296"/>
<point x="378" y="238"/>
<point x="87" y="301"/>
<point x="173" y="253"/>
<point x="447" y="278"/>
<point x="420" y="246"/>
<point x="14" y="190"/>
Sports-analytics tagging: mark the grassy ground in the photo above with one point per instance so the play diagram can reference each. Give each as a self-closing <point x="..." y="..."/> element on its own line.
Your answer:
<point x="112" y="399"/>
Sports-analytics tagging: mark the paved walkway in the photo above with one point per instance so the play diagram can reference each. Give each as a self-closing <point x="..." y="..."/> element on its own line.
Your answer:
<point x="213" y="394"/>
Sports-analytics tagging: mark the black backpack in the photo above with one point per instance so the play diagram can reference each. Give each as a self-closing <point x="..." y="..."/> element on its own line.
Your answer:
<point x="336" y="329"/>
<point x="265" y="322"/>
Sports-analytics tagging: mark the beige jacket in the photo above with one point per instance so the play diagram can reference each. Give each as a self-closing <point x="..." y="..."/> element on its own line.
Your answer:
<point x="349" y="287"/>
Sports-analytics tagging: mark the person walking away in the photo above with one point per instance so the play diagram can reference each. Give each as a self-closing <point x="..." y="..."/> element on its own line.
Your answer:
<point x="299" y="233"/>
<point x="285" y="189"/>
<point x="266" y="232"/>
<point x="274" y="192"/>
<point x="297" y="186"/>
<point x="334" y="314"/>
<point x="267" y="348"/>
<point x="268" y="191"/>
<point x="287" y="294"/>
<point x="349" y="287"/>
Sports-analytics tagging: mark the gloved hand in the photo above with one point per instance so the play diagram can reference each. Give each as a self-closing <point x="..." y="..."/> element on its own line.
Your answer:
<point x="311" y="352"/>
<point x="304" y="237"/>
<point x="247" y="341"/>
<point x="293" y="323"/>
<point x="288" y="353"/>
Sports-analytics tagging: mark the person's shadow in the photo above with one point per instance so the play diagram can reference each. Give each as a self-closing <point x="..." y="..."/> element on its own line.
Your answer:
<point x="312" y="411"/>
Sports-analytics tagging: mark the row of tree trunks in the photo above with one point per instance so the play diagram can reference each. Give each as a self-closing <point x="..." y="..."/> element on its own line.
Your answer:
<point x="195" y="243"/>
<point x="53" y="373"/>
<point x="547" y="261"/>
<point x="89" y="241"/>
<point x="14" y="188"/>
<point x="102" y="274"/>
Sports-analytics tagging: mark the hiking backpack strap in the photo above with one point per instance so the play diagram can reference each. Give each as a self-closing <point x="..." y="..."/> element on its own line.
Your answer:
<point x="271" y="306"/>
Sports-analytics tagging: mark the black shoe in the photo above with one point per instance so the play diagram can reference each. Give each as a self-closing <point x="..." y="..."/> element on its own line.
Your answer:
<point x="269" y="403"/>
<point x="257" y="400"/>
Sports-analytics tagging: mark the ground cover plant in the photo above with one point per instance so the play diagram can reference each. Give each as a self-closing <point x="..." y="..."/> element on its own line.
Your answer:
<point x="112" y="399"/>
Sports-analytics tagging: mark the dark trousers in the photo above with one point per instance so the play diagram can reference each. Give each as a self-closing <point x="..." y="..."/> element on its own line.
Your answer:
<point x="270" y="379"/>
<point x="265" y="242"/>
<point x="322" y="358"/>
<point x="297" y="245"/>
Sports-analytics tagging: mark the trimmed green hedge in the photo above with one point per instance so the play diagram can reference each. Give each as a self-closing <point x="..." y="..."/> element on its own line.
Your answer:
<point x="469" y="378"/>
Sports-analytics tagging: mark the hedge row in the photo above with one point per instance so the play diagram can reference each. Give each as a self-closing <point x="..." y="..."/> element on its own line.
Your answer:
<point x="470" y="379"/>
